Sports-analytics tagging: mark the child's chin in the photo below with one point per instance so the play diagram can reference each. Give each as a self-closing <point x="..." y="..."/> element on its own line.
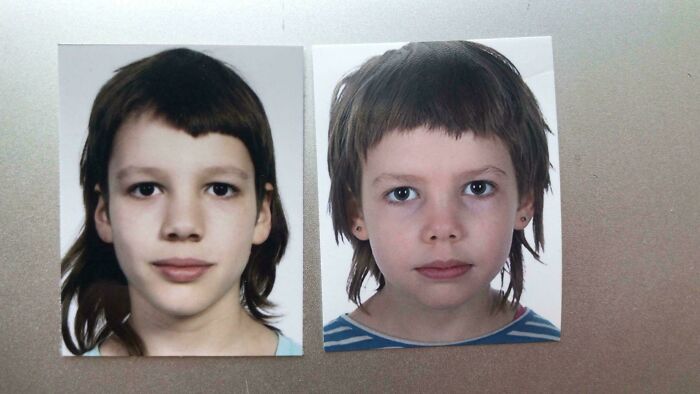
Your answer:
<point x="182" y="310"/>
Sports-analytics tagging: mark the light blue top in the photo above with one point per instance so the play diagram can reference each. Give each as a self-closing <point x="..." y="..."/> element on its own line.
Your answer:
<point x="285" y="347"/>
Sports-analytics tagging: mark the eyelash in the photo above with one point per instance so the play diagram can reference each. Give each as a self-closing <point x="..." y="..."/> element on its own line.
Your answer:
<point x="490" y="188"/>
<point x="148" y="189"/>
<point x="391" y="195"/>
<point x="137" y="189"/>
<point x="231" y="190"/>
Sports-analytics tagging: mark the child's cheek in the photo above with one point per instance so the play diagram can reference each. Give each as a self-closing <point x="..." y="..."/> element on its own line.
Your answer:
<point x="142" y="214"/>
<point x="404" y="211"/>
<point x="495" y="206"/>
<point x="481" y="207"/>
<point x="394" y="223"/>
<point x="135" y="221"/>
<point x="386" y="224"/>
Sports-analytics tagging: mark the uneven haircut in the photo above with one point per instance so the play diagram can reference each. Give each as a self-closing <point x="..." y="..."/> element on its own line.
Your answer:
<point x="194" y="93"/>
<point x="457" y="87"/>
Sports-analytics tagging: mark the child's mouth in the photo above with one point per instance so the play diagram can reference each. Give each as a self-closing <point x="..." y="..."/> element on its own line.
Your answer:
<point x="444" y="270"/>
<point x="178" y="270"/>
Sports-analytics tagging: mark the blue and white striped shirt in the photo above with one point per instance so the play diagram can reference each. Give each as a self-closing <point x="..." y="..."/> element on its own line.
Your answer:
<point x="345" y="334"/>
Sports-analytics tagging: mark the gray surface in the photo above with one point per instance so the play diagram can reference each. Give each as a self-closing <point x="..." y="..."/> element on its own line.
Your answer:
<point x="628" y="111"/>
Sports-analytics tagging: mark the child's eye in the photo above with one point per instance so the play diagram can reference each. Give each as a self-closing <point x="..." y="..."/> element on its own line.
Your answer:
<point x="143" y="190"/>
<point x="402" y="193"/>
<point x="222" y="189"/>
<point x="479" y="188"/>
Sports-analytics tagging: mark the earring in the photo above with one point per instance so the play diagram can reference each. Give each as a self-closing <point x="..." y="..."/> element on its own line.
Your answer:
<point x="523" y="219"/>
<point x="358" y="228"/>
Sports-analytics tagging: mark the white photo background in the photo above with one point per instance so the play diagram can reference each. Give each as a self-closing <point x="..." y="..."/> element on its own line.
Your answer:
<point x="276" y="76"/>
<point x="533" y="58"/>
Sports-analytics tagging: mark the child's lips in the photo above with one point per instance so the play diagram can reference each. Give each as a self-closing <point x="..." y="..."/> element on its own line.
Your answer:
<point x="444" y="269"/>
<point x="179" y="270"/>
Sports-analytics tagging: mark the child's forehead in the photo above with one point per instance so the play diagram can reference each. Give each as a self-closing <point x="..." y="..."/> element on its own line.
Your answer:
<point x="416" y="138"/>
<point x="423" y="150"/>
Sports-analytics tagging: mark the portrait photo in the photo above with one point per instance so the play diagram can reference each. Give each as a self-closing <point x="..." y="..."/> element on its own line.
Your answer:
<point x="438" y="188"/>
<point x="180" y="200"/>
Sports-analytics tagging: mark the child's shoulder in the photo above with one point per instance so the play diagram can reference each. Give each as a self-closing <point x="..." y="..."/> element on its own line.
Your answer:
<point x="94" y="352"/>
<point x="528" y="326"/>
<point x="346" y="334"/>
<point x="287" y="347"/>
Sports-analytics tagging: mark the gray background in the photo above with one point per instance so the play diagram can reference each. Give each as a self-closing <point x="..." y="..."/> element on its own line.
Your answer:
<point x="628" y="107"/>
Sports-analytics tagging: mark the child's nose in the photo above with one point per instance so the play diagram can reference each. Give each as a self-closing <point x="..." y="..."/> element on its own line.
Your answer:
<point x="183" y="220"/>
<point x="442" y="222"/>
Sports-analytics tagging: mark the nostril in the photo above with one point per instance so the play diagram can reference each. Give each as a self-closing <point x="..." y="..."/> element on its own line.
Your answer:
<point x="445" y="236"/>
<point x="175" y="236"/>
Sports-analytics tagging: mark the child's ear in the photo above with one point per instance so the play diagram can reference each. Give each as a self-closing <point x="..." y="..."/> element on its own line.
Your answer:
<point x="525" y="212"/>
<point x="359" y="229"/>
<point x="263" y="223"/>
<point x="102" y="223"/>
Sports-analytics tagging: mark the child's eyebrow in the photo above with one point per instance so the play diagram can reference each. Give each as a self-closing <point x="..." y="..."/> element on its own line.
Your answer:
<point x="157" y="172"/>
<point x="484" y="170"/>
<point x="401" y="178"/>
<point x="395" y="178"/>
<point x="131" y="170"/>
<point x="227" y="170"/>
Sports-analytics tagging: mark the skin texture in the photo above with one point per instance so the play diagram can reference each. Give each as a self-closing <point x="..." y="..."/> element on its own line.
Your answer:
<point x="173" y="196"/>
<point x="428" y="198"/>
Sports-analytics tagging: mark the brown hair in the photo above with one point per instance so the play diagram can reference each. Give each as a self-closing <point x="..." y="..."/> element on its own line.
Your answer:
<point x="459" y="87"/>
<point x="194" y="93"/>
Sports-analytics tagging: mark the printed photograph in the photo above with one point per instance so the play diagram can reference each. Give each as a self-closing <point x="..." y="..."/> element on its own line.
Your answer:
<point x="438" y="190"/>
<point x="180" y="200"/>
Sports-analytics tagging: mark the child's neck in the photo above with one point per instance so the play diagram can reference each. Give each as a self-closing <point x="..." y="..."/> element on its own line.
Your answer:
<point x="225" y="329"/>
<point x="396" y="315"/>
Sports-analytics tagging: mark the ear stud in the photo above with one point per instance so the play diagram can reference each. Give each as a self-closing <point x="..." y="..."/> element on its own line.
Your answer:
<point x="523" y="219"/>
<point x="358" y="228"/>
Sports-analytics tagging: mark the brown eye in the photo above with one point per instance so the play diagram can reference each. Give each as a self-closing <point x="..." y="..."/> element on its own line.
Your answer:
<point x="222" y="189"/>
<point x="143" y="190"/>
<point x="146" y="190"/>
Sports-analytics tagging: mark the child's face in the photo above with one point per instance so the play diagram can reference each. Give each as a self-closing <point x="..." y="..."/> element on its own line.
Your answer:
<point x="439" y="214"/>
<point x="182" y="216"/>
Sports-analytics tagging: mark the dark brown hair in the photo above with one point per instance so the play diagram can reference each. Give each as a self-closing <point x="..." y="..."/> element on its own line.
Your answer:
<point x="196" y="94"/>
<point x="458" y="87"/>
